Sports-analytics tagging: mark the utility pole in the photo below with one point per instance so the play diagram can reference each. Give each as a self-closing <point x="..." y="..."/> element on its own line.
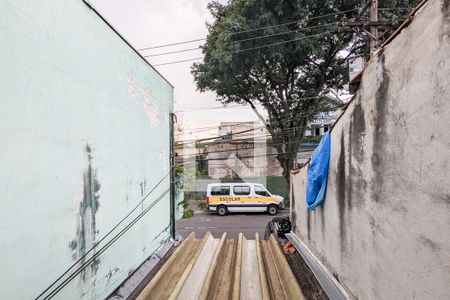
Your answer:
<point x="373" y="28"/>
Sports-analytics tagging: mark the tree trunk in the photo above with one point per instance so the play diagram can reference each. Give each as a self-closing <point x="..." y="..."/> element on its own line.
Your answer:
<point x="287" y="165"/>
<point x="287" y="177"/>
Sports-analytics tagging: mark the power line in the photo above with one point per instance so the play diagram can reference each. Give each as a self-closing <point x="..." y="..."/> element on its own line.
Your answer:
<point x="294" y="22"/>
<point x="281" y="33"/>
<point x="187" y="131"/>
<point x="213" y="138"/>
<point x="258" y="138"/>
<point x="186" y="142"/>
<point x="250" y="156"/>
<point x="245" y="40"/>
<point x="212" y="108"/>
<point x="178" y="61"/>
<point x="230" y="150"/>
<point x="282" y="42"/>
<point x="104" y="237"/>
<point x="104" y="248"/>
<point x="243" y="106"/>
<point x="198" y="129"/>
<point x="241" y="132"/>
<point x="172" y="44"/>
<point x="249" y="30"/>
<point x="255" y="136"/>
<point x="243" y="140"/>
<point x="252" y="48"/>
<point x="172" y="52"/>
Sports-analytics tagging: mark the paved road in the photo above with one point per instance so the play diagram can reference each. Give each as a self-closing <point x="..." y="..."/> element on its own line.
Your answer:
<point x="233" y="224"/>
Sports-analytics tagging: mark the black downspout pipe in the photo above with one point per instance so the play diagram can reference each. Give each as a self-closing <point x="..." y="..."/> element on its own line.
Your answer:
<point x="172" y="175"/>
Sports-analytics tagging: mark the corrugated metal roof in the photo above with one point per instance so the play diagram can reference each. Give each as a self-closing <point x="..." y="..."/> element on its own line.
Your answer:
<point x="224" y="269"/>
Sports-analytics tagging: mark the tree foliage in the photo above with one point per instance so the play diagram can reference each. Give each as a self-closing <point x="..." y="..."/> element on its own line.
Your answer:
<point x="288" y="66"/>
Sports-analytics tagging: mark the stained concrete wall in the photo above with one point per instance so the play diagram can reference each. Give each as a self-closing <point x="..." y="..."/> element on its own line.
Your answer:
<point x="384" y="227"/>
<point x="84" y="136"/>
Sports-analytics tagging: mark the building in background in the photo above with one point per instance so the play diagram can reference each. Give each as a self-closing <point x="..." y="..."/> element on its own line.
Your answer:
<point x="249" y="142"/>
<point x="228" y="158"/>
<point x="321" y="124"/>
<point x="242" y="130"/>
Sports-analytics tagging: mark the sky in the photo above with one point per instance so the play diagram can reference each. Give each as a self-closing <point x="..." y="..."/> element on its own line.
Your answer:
<point x="146" y="23"/>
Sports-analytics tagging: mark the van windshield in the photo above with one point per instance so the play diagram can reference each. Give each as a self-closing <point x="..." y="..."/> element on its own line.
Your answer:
<point x="220" y="190"/>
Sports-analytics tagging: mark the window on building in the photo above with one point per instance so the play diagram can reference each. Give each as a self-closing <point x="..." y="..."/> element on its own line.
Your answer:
<point x="325" y="129"/>
<point x="220" y="191"/>
<point x="317" y="131"/>
<point x="259" y="190"/>
<point x="241" y="190"/>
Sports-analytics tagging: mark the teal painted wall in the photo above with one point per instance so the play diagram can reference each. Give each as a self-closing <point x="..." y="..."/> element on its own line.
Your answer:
<point x="84" y="137"/>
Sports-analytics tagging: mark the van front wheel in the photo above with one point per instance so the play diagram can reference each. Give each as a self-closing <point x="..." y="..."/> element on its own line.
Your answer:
<point x="272" y="210"/>
<point x="222" y="210"/>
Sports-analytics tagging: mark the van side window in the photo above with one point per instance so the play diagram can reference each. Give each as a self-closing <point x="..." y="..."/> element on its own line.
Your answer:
<point x="260" y="191"/>
<point x="220" y="191"/>
<point x="241" y="190"/>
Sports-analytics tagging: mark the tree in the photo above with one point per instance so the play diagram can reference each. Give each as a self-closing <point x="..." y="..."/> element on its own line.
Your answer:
<point x="287" y="66"/>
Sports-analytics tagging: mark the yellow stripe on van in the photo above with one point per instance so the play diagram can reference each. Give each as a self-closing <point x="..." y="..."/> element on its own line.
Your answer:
<point x="242" y="199"/>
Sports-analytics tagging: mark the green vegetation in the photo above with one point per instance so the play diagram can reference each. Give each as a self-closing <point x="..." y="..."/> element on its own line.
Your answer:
<point x="200" y="145"/>
<point x="202" y="205"/>
<point x="188" y="213"/>
<point x="201" y="166"/>
<point x="313" y="139"/>
<point x="179" y="170"/>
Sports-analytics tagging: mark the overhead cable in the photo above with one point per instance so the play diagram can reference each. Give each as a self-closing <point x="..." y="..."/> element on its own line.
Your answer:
<point x="104" y="237"/>
<point x="249" y="49"/>
<point x="244" y="40"/>
<point x="244" y="131"/>
<point x="57" y="289"/>
<point x="250" y="30"/>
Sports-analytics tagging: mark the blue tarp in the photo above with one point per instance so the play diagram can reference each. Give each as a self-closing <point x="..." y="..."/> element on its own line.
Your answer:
<point x="316" y="182"/>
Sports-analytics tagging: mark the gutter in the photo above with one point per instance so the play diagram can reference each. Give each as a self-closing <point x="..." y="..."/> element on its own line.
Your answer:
<point x="329" y="284"/>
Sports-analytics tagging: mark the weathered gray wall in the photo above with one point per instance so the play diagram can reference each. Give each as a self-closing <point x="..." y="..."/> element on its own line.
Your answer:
<point x="84" y="136"/>
<point x="384" y="229"/>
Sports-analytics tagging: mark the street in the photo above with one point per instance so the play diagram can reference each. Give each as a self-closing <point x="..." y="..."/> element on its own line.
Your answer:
<point x="233" y="224"/>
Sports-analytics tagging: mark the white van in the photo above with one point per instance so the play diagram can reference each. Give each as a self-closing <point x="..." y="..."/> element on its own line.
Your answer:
<point x="242" y="197"/>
